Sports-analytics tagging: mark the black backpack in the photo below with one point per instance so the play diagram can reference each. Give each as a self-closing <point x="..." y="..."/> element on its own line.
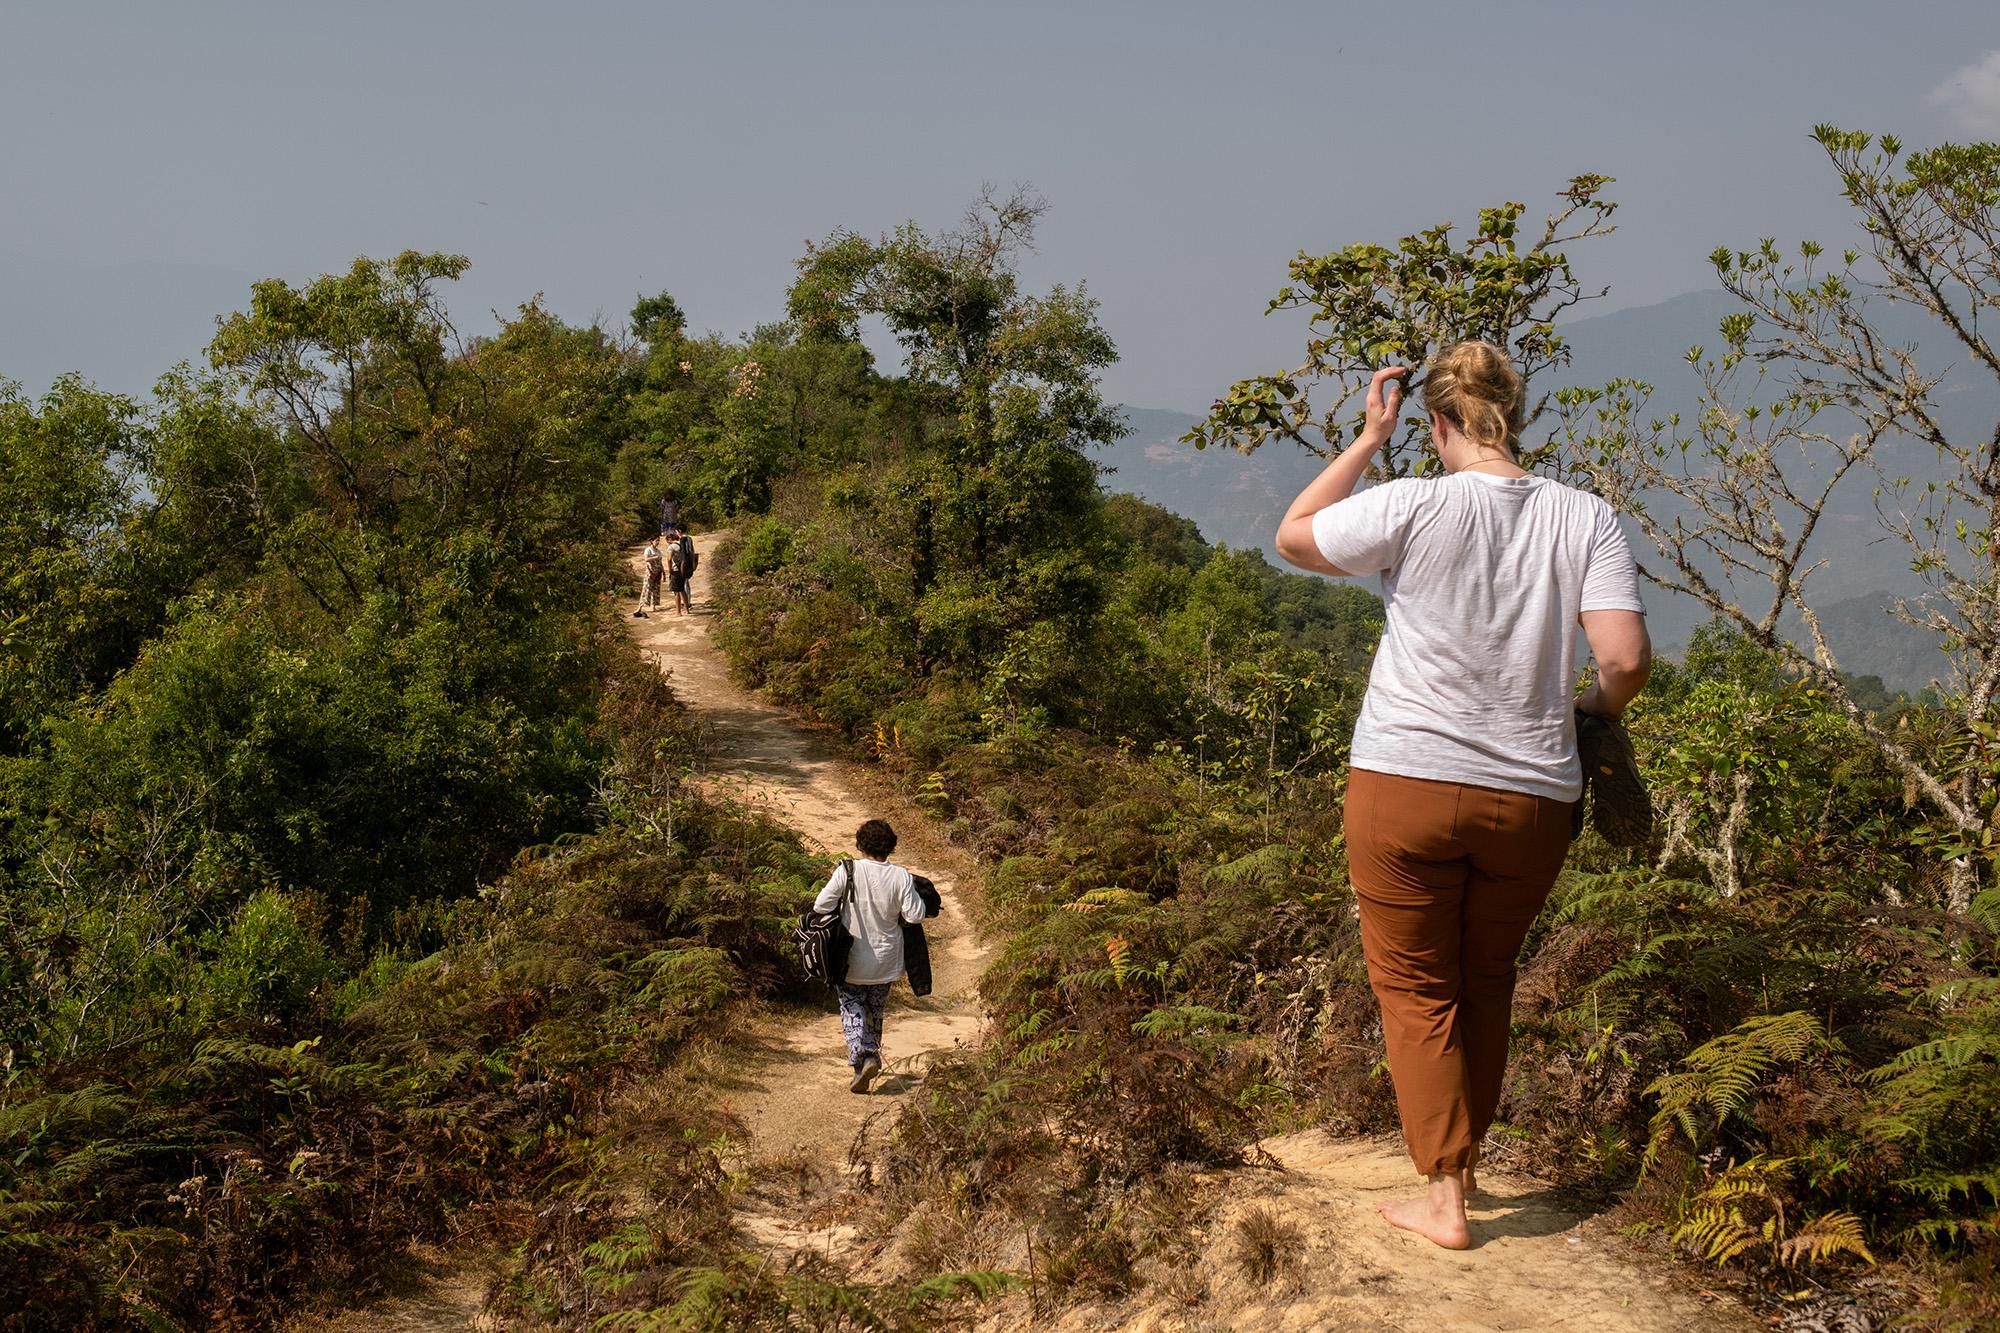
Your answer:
<point x="823" y="937"/>
<point x="689" y="559"/>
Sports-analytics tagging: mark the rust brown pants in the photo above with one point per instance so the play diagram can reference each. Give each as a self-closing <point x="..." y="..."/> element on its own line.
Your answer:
<point x="1448" y="879"/>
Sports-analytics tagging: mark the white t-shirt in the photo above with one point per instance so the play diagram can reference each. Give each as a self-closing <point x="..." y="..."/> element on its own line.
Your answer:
<point x="885" y="896"/>
<point x="1483" y="578"/>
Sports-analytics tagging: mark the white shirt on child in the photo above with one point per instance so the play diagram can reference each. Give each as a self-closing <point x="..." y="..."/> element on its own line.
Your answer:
<point x="885" y="896"/>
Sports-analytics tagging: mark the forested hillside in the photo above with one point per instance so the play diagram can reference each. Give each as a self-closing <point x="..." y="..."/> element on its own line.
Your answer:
<point x="350" y="881"/>
<point x="345" y="875"/>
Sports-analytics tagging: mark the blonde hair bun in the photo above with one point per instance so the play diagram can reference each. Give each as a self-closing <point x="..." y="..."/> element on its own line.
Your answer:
<point x="1475" y="386"/>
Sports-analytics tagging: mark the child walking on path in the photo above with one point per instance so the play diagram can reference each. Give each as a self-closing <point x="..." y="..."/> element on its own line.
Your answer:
<point x="885" y="898"/>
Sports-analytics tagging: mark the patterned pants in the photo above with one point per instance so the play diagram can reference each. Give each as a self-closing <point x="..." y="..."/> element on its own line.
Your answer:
<point x="861" y="1020"/>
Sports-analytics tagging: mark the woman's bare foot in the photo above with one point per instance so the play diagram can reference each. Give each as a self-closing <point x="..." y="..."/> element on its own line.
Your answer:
<point x="1439" y="1217"/>
<point x="1469" y="1177"/>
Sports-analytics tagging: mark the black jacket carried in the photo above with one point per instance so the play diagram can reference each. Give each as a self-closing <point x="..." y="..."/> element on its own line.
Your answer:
<point x="916" y="949"/>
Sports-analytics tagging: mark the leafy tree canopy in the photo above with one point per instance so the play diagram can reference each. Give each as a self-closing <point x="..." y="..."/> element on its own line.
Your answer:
<point x="1369" y="305"/>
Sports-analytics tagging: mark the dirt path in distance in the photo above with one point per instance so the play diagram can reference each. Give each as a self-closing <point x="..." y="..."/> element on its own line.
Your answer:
<point x="789" y="1081"/>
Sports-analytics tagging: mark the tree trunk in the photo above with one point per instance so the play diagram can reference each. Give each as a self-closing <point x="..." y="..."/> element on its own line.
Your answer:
<point x="1964" y="880"/>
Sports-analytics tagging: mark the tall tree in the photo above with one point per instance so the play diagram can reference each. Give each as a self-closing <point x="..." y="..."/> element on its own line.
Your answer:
<point x="1810" y="390"/>
<point x="417" y="444"/>
<point x="1369" y="306"/>
<point x="995" y="510"/>
<point x="70" y="468"/>
<point x="658" y="319"/>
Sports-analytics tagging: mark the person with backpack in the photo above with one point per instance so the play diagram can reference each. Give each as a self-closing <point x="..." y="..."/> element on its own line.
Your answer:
<point x="675" y="578"/>
<point x="1464" y="776"/>
<point x="875" y="901"/>
<point x="685" y="560"/>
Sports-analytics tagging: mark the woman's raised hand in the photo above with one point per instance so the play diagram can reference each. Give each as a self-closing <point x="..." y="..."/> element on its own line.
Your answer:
<point x="1385" y="400"/>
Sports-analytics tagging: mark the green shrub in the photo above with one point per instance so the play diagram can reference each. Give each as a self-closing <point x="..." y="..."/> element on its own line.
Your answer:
<point x="766" y="547"/>
<point x="269" y="966"/>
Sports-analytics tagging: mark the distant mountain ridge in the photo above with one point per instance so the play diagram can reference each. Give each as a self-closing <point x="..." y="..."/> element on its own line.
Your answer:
<point x="1238" y="499"/>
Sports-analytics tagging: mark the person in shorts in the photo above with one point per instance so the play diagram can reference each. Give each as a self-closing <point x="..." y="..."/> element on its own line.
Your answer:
<point x="680" y="570"/>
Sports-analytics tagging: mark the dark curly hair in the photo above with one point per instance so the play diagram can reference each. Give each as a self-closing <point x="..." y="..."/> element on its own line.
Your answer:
<point x="875" y="838"/>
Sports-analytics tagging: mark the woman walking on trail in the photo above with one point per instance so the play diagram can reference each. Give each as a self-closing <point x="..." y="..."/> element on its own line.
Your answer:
<point x="883" y="900"/>
<point x="1464" y="775"/>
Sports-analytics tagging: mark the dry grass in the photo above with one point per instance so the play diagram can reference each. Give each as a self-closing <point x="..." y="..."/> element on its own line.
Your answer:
<point x="1265" y="1248"/>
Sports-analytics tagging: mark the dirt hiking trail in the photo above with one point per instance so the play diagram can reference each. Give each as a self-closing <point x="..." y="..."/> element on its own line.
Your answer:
<point x="788" y="1083"/>
<point x="1536" y="1263"/>
<point x="788" y="1079"/>
<point x="790" y="1087"/>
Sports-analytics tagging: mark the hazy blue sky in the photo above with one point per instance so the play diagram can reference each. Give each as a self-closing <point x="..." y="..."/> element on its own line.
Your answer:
<point x="169" y="152"/>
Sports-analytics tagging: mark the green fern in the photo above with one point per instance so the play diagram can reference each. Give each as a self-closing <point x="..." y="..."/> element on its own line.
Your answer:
<point x="686" y="981"/>
<point x="1184" y="1020"/>
<point x="1985" y="908"/>
<point x="1113" y="896"/>
<point x="25" y="1212"/>
<point x="975" y="1286"/>
<point x="1029" y="1023"/>
<point x="1718" y="1233"/>
<point x="57" y="1115"/>
<point x="1938" y="1100"/>
<point x="1824" y="1236"/>
<point x="1946" y="1229"/>
<point x="1718" y="1078"/>
<point x="934" y="796"/>
<point x="1632" y="900"/>
<point x="1270" y="866"/>
<point x="613" y="1263"/>
<point x="1041" y="1052"/>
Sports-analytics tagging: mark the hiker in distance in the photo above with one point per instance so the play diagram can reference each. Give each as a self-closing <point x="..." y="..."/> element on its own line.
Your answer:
<point x="649" y="590"/>
<point x="680" y="570"/>
<point x="1464" y="775"/>
<point x="883" y="905"/>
